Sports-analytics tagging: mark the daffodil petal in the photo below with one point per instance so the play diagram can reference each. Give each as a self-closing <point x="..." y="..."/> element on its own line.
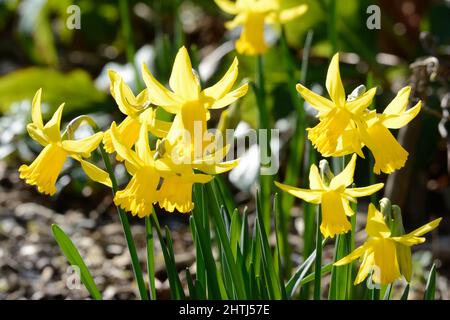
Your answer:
<point x="399" y="103"/>
<point x="84" y="146"/>
<point x="36" y="115"/>
<point x="404" y="261"/>
<point x="361" y="103"/>
<point x="183" y="80"/>
<point x="227" y="6"/>
<point x="52" y="127"/>
<point x="292" y="13"/>
<point x="95" y="173"/>
<point x="364" y="191"/>
<point x="401" y="120"/>
<point x="376" y="226"/>
<point x="142" y="145"/>
<point x="316" y="101"/>
<point x="334" y="83"/>
<point x="366" y="266"/>
<point x="36" y="134"/>
<point x="345" y="178"/>
<point x="127" y="154"/>
<point x="315" y="180"/>
<point x="160" y="96"/>
<point x="386" y="268"/>
<point x="425" y="228"/>
<point x="311" y="196"/>
<point x="224" y="85"/>
<point x="230" y="97"/>
<point x="355" y="254"/>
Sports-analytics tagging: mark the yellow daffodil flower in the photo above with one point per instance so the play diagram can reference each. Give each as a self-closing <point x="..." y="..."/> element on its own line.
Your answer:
<point x="334" y="197"/>
<point x="45" y="169"/>
<point x="380" y="253"/>
<point x="137" y="110"/>
<point x="252" y="15"/>
<point x="188" y="102"/>
<point x="176" y="188"/>
<point x="335" y="134"/>
<point x="388" y="153"/>
<point x="140" y="194"/>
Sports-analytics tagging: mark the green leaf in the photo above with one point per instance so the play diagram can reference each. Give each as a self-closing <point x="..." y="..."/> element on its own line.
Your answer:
<point x="272" y="278"/>
<point x="75" y="259"/>
<point x="236" y="274"/>
<point x="405" y="293"/>
<point x="150" y="258"/>
<point x="75" y="88"/>
<point x="430" y="290"/>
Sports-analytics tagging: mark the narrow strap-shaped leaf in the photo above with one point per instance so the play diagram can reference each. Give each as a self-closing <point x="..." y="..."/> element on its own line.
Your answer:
<point x="430" y="290"/>
<point x="236" y="274"/>
<point x="405" y="293"/>
<point x="73" y="256"/>
<point x="150" y="258"/>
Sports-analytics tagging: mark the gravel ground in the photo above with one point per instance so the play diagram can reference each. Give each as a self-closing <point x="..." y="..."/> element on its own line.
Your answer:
<point x="32" y="266"/>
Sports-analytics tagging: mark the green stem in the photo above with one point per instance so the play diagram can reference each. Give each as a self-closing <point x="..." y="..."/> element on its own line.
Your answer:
<point x="318" y="262"/>
<point x="126" y="229"/>
<point x="264" y="123"/>
<point x="150" y="257"/>
<point x="128" y="38"/>
<point x="332" y="25"/>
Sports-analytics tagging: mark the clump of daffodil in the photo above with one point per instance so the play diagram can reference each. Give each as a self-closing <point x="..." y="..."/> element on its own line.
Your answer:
<point x="45" y="169"/>
<point x="156" y="178"/>
<point x="382" y="251"/>
<point x="189" y="103"/>
<point x="137" y="110"/>
<point x="333" y="196"/>
<point x="335" y="134"/>
<point x="388" y="153"/>
<point x="252" y="15"/>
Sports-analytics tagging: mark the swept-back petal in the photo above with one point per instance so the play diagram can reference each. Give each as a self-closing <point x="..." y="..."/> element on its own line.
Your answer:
<point x="316" y="101"/>
<point x="315" y="180"/>
<point x="224" y="85"/>
<point x="142" y="145"/>
<point x="227" y="6"/>
<point x="364" y="191"/>
<point x="312" y="196"/>
<point x="183" y="80"/>
<point x="36" y="115"/>
<point x="399" y="103"/>
<point x="345" y="178"/>
<point x="361" y="103"/>
<point x="160" y="96"/>
<point x="425" y="228"/>
<point x="292" y="13"/>
<point x="334" y="83"/>
<point x="36" y="134"/>
<point x="83" y="147"/>
<point x="376" y="226"/>
<point x="127" y="154"/>
<point x="230" y="97"/>
<point x="367" y="264"/>
<point x="95" y="173"/>
<point x="52" y="127"/>
<point x="355" y="254"/>
<point x="401" y="120"/>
